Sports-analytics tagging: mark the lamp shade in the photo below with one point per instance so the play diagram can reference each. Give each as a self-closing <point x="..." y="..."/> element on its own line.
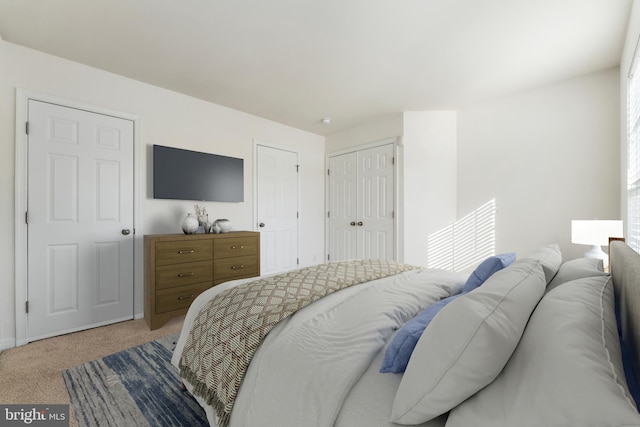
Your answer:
<point x="594" y="232"/>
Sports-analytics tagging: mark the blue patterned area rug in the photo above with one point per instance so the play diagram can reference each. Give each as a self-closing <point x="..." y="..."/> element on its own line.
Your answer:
<point x="135" y="387"/>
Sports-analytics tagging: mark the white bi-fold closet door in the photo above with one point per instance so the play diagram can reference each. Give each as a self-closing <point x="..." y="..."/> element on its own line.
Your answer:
<point x="361" y="204"/>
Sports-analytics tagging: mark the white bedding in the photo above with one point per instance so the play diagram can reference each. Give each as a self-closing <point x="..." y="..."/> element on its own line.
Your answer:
<point x="315" y="368"/>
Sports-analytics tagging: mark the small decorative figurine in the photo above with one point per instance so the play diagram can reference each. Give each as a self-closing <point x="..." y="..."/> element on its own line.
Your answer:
<point x="201" y="212"/>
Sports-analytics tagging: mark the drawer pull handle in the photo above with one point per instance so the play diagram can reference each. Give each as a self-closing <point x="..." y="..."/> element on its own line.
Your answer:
<point x="237" y="247"/>
<point x="186" y="274"/>
<point x="186" y="252"/>
<point x="237" y="267"/>
<point x="180" y="298"/>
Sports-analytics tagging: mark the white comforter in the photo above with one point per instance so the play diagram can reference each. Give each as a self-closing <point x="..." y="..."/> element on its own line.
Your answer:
<point x="315" y="368"/>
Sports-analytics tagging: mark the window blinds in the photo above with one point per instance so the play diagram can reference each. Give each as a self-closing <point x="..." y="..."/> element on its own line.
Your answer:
<point x="633" y="155"/>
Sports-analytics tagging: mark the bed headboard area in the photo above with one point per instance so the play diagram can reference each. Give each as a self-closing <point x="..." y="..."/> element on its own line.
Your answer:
<point x="625" y="270"/>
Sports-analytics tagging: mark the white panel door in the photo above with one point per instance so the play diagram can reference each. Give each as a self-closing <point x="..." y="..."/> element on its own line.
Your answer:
<point x="375" y="203"/>
<point x="80" y="227"/>
<point x="277" y="208"/>
<point x="343" y="215"/>
<point x="361" y="204"/>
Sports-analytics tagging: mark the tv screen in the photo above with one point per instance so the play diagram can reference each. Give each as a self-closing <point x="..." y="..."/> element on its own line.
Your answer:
<point x="191" y="175"/>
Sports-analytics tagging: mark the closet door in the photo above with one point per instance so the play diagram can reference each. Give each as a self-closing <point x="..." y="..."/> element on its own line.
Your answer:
<point x="361" y="203"/>
<point x="80" y="198"/>
<point x="342" y="207"/>
<point x="375" y="197"/>
<point x="277" y="208"/>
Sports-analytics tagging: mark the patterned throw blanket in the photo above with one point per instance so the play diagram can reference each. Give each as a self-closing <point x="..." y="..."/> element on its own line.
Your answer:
<point x="229" y="329"/>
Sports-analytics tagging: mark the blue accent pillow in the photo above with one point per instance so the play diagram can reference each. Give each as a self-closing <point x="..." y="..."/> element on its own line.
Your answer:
<point x="399" y="351"/>
<point x="627" y="364"/>
<point x="627" y="360"/>
<point x="486" y="269"/>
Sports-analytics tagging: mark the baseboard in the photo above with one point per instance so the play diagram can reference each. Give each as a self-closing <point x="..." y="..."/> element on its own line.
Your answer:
<point x="11" y="343"/>
<point x="7" y="344"/>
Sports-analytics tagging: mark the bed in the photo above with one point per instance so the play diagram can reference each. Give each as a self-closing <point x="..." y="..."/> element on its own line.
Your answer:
<point x="530" y="341"/>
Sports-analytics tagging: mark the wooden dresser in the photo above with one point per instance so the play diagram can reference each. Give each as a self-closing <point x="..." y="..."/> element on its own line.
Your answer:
<point x="178" y="267"/>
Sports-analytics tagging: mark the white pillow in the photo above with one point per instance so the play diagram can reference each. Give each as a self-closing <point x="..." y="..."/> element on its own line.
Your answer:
<point x="566" y="371"/>
<point x="577" y="269"/>
<point x="550" y="257"/>
<point x="468" y="343"/>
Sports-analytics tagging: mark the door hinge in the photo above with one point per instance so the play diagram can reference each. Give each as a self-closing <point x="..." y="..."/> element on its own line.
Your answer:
<point x="26" y="128"/>
<point x="328" y="171"/>
<point x="26" y="217"/>
<point x="393" y="160"/>
<point x="328" y="257"/>
<point x="298" y="215"/>
<point x="297" y="261"/>
<point x="26" y="306"/>
<point x="393" y="214"/>
<point x="297" y="168"/>
<point x="328" y="214"/>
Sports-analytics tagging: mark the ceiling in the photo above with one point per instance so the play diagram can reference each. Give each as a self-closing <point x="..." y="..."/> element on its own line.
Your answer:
<point x="297" y="61"/>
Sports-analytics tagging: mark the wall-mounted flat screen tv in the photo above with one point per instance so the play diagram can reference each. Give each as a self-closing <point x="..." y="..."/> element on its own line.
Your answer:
<point x="191" y="175"/>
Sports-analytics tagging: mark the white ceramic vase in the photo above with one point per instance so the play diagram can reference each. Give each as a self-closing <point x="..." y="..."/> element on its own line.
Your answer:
<point x="224" y="224"/>
<point x="190" y="224"/>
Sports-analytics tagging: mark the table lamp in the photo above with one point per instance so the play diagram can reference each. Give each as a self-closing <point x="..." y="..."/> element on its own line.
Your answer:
<point x="595" y="233"/>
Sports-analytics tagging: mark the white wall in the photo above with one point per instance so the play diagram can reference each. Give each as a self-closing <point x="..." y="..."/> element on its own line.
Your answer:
<point x="166" y="118"/>
<point x="387" y="127"/>
<point x="426" y="163"/>
<point x="547" y="156"/>
<point x="429" y="179"/>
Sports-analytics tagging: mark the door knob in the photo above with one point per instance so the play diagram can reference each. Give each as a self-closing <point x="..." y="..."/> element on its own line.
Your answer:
<point x="261" y="225"/>
<point x="360" y="223"/>
<point x="353" y="223"/>
<point x="126" y="231"/>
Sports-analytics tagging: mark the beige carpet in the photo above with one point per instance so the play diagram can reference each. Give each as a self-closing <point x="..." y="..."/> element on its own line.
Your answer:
<point x="33" y="373"/>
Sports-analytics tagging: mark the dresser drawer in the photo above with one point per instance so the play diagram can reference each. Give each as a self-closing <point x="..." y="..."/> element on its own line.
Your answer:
<point x="183" y="251"/>
<point x="235" y="247"/>
<point x="235" y="268"/>
<point x="171" y="275"/>
<point x="180" y="297"/>
<point x="179" y="267"/>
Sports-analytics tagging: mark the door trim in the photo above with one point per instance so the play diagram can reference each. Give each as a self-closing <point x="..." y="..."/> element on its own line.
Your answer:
<point x="20" y="202"/>
<point x="387" y="141"/>
<point x="256" y="143"/>
<point x="397" y="193"/>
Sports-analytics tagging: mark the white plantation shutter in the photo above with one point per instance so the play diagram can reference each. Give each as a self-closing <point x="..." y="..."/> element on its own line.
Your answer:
<point x="633" y="155"/>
